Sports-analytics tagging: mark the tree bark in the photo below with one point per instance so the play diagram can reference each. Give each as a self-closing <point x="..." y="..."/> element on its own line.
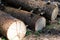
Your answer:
<point x="11" y="27"/>
<point x="25" y="4"/>
<point x="35" y="22"/>
<point x="35" y="5"/>
<point x="50" y="12"/>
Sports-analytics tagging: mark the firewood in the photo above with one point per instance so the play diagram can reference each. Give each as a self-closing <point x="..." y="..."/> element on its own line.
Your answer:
<point x="11" y="27"/>
<point x="35" y="22"/>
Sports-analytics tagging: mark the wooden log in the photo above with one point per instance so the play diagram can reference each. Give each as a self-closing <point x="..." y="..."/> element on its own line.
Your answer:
<point x="25" y="4"/>
<point x="34" y="5"/>
<point x="35" y="22"/>
<point x="11" y="27"/>
<point x="50" y="11"/>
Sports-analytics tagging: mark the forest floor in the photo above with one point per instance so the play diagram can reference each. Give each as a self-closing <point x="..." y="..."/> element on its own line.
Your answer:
<point x="42" y="37"/>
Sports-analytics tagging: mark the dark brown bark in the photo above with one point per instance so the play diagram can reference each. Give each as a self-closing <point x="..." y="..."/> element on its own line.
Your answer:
<point x="25" y="4"/>
<point x="28" y="17"/>
<point x="50" y="11"/>
<point x="37" y="6"/>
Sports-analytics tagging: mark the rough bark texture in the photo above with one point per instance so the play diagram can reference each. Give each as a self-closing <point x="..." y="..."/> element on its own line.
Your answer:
<point x="26" y="4"/>
<point x="8" y="29"/>
<point x="50" y="11"/>
<point x="37" y="6"/>
<point x="28" y="17"/>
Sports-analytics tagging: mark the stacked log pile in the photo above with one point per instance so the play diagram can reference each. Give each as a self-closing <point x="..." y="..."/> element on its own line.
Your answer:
<point x="35" y="22"/>
<point x="33" y="13"/>
<point x="35" y="6"/>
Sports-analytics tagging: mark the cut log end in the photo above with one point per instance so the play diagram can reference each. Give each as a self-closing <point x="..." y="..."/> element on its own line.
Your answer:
<point x="40" y="24"/>
<point x="54" y="14"/>
<point x="16" y="31"/>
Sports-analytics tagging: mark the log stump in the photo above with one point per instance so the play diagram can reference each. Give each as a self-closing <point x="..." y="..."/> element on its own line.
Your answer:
<point x="11" y="27"/>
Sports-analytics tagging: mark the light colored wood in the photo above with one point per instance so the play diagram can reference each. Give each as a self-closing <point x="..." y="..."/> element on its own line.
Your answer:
<point x="11" y="27"/>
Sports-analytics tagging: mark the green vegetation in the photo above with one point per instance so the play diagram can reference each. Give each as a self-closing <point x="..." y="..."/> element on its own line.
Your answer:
<point x="28" y="32"/>
<point x="3" y="38"/>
